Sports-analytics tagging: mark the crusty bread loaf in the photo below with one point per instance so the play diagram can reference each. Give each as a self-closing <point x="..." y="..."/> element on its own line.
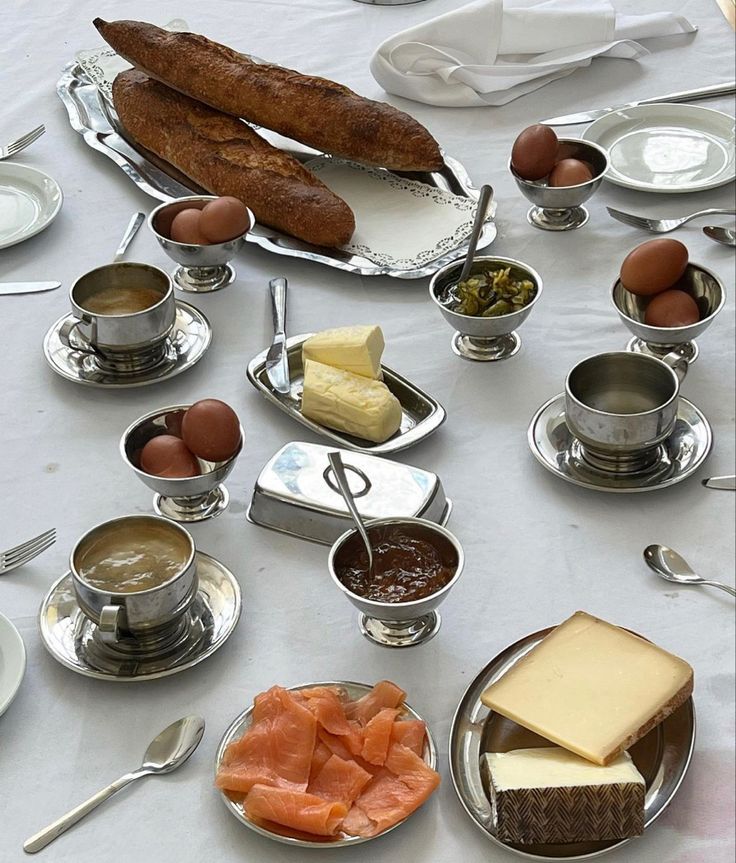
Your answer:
<point x="315" y="111"/>
<point x="226" y="157"/>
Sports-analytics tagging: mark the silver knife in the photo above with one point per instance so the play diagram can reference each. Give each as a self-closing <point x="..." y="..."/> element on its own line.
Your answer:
<point x="726" y="483"/>
<point x="683" y="96"/>
<point x="277" y="360"/>
<point x="27" y="287"/>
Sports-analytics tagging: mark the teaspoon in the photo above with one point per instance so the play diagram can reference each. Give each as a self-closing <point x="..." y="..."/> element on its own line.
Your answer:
<point x="165" y="753"/>
<point x="484" y="202"/>
<point x="338" y="468"/>
<point x="134" y="224"/>
<point x="668" y="564"/>
<point x="727" y="236"/>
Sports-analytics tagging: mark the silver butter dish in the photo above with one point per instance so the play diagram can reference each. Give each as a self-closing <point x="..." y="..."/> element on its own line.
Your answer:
<point x="296" y="493"/>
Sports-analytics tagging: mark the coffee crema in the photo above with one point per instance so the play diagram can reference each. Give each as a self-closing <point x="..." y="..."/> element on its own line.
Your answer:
<point x="131" y="558"/>
<point x="124" y="300"/>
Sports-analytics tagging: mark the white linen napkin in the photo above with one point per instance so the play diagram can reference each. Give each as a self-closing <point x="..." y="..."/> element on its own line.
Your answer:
<point x="492" y="51"/>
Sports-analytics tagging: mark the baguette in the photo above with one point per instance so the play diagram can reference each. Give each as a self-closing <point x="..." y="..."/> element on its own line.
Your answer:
<point x="226" y="157"/>
<point x="315" y="111"/>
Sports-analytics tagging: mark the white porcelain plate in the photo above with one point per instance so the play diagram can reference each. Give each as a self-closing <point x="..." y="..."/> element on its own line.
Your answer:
<point x="12" y="662"/>
<point x="29" y="201"/>
<point x="667" y="148"/>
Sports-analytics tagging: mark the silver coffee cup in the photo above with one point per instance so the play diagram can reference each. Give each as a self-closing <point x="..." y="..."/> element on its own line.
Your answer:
<point x="121" y="341"/>
<point x="621" y="406"/>
<point x="139" y="614"/>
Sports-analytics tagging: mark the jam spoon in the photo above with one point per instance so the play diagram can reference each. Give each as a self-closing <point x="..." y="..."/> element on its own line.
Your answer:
<point x="165" y="753"/>
<point x="338" y="468"/>
<point x="668" y="564"/>
<point x="484" y="202"/>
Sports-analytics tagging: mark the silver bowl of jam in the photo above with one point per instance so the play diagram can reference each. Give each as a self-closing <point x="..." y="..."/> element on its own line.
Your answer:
<point x="415" y="564"/>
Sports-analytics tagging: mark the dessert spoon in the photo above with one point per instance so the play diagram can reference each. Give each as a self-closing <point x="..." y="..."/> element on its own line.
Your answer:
<point x="668" y="564"/>
<point x="727" y="236"/>
<point x="165" y="753"/>
<point x="338" y="468"/>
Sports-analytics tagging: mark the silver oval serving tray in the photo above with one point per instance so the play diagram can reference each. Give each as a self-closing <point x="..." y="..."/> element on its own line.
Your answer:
<point x="421" y="414"/>
<point x="94" y="119"/>
<point x="662" y="757"/>
<point x="241" y="723"/>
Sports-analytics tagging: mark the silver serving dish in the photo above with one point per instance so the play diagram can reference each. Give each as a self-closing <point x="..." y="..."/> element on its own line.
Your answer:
<point x="662" y="757"/>
<point x="421" y="414"/>
<point x="296" y="494"/>
<point x="71" y="637"/>
<point x="242" y="722"/>
<point x="554" y="447"/>
<point x="94" y="119"/>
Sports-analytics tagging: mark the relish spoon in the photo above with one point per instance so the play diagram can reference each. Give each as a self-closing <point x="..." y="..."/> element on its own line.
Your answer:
<point x="338" y="468"/>
<point x="668" y="564"/>
<point x="484" y="202"/>
<point x="165" y="753"/>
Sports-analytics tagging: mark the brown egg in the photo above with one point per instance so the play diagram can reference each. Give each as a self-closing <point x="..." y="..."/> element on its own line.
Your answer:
<point x="185" y="228"/>
<point x="224" y="219"/>
<point x="211" y="430"/>
<point x="166" y="455"/>
<point x="534" y="152"/>
<point x="570" y="172"/>
<point x="672" y="309"/>
<point x="654" y="266"/>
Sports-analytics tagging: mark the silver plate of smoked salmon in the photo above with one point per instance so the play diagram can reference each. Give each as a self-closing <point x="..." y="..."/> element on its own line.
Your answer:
<point x="328" y="764"/>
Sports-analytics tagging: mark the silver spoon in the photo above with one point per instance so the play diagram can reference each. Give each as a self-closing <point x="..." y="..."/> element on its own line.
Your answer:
<point x="133" y="225"/>
<point x="671" y="566"/>
<point x="484" y="202"/>
<point x="727" y="236"/>
<point x="165" y="753"/>
<point x="338" y="468"/>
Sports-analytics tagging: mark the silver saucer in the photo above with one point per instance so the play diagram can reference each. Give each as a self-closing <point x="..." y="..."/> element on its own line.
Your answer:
<point x="241" y="724"/>
<point x="681" y="454"/>
<point x="662" y="757"/>
<point x="187" y="345"/>
<point x="71" y="639"/>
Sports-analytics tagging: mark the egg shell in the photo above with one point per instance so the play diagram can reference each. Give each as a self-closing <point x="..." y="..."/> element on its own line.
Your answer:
<point x="185" y="228"/>
<point x="211" y="430"/>
<point x="570" y="172"/>
<point x="654" y="266"/>
<point x="168" y="456"/>
<point x="672" y="309"/>
<point x="224" y="219"/>
<point x="534" y="152"/>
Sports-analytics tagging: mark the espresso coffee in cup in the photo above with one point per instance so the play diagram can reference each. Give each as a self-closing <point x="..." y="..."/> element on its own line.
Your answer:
<point x="122" y="301"/>
<point x="134" y="576"/>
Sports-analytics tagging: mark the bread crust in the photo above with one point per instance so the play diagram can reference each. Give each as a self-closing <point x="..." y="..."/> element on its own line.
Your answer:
<point x="318" y="112"/>
<point x="226" y="157"/>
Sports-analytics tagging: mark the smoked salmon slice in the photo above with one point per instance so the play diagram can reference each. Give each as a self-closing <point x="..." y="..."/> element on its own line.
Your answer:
<point x="340" y="780"/>
<point x="329" y="711"/>
<point x="296" y="809"/>
<point x="383" y="694"/>
<point x="378" y="735"/>
<point x="410" y="733"/>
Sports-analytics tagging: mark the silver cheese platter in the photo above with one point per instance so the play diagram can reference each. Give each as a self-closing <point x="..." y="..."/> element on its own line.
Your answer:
<point x="92" y="116"/>
<point x="662" y="757"/>
<point x="421" y="414"/>
<point x="296" y="494"/>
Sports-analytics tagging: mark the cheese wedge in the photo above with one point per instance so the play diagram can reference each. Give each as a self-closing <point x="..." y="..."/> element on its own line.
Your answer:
<point x="551" y="795"/>
<point x="592" y="688"/>
<point x="353" y="349"/>
<point x="349" y="403"/>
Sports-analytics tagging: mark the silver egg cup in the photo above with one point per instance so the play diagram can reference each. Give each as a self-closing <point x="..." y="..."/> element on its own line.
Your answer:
<point x="185" y="499"/>
<point x="559" y="208"/>
<point x="202" y="269"/>
<point x="478" y="338"/>
<point x="398" y="624"/>
<point x="704" y="287"/>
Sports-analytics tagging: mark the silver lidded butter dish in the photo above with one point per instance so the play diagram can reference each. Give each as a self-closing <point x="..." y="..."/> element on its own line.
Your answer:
<point x="421" y="414"/>
<point x="296" y="494"/>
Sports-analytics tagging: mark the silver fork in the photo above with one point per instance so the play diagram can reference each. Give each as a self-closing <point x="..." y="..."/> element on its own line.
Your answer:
<point x="663" y="226"/>
<point x="21" y="143"/>
<point x="20" y="554"/>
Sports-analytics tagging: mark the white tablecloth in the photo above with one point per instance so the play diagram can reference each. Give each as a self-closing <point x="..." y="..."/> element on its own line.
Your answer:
<point x="537" y="549"/>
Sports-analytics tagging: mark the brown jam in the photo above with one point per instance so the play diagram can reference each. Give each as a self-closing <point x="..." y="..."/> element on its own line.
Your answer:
<point x="410" y="562"/>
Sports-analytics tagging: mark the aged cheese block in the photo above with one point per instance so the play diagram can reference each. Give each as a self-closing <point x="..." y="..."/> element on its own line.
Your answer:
<point x="592" y="688"/>
<point x="551" y="795"/>
<point x="350" y="403"/>
<point x="353" y="349"/>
